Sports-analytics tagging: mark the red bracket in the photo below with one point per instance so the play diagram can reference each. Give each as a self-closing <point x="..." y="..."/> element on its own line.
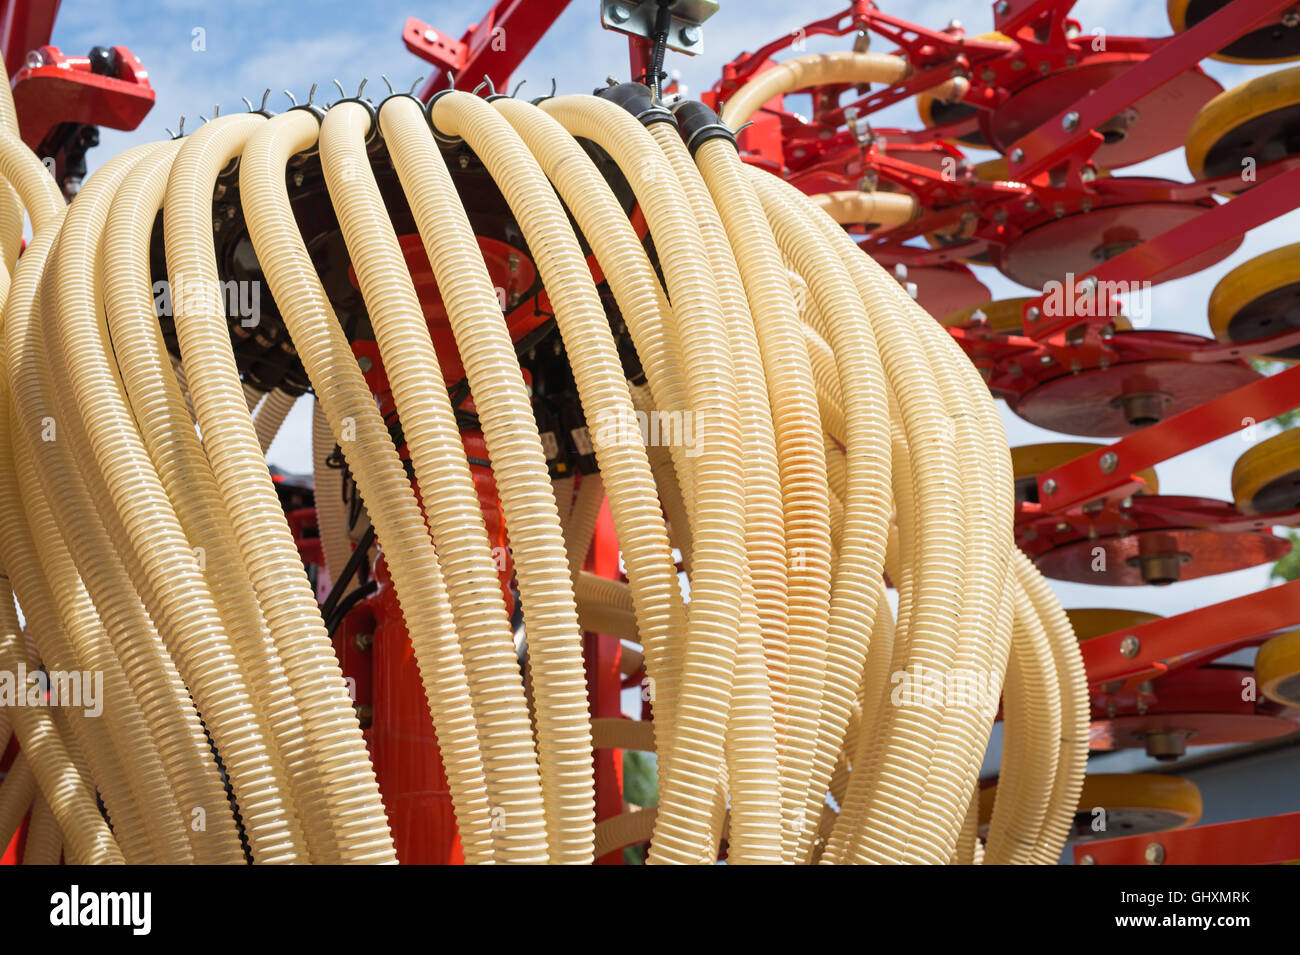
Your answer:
<point x="62" y="89"/>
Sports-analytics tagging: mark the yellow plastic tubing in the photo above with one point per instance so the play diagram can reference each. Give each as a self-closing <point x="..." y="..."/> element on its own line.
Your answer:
<point x="455" y="516"/>
<point x="89" y="839"/>
<point x="168" y="434"/>
<point x="346" y="794"/>
<point x="365" y="441"/>
<point x="884" y="209"/>
<point x="813" y="70"/>
<point x="684" y="827"/>
<point x="124" y="618"/>
<point x="795" y="415"/>
<point x="182" y="602"/>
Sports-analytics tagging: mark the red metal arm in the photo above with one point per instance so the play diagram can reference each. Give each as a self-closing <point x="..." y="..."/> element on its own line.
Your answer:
<point x="493" y="47"/>
<point x="1267" y="841"/>
<point x="1169" y="642"/>
<point x="1051" y="142"/>
<point x="24" y="26"/>
<point x="1095" y="474"/>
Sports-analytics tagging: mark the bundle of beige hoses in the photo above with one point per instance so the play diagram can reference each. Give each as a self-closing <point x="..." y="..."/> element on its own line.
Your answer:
<point x="839" y="435"/>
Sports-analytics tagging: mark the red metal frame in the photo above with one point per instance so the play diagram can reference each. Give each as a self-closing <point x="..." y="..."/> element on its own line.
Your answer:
<point x="1266" y="841"/>
<point x="25" y="25"/>
<point x="484" y="49"/>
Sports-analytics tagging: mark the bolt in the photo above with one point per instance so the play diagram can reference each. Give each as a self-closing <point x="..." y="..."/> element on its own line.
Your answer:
<point x="1108" y="462"/>
<point x="690" y="35"/>
<point x="1003" y="8"/>
<point x="430" y="36"/>
<point x="1045" y="360"/>
<point x="1070" y="122"/>
<point x="954" y="24"/>
<point x="1291" y="18"/>
<point x="365" y="714"/>
<point x="1017" y="155"/>
<point x="1087" y="860"/>
<point x="363" y="640"/>
<point x="1130" y="646"/>
<point x="619" y="13"/>
<point x="297" y="179"/>
<point x="1155" y="854"/>
<point x="1049" y="486"/>
<point x="1062" y="526"/>
<point x="978" y="317"/>
<point x="1107" y="332"/>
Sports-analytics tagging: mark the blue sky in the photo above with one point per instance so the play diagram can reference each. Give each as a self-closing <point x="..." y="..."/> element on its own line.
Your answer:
<point x="250" y="45"/>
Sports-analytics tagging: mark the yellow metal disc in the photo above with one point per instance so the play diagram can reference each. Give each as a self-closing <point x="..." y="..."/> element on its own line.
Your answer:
<point x="1030" y="460"/>
<point x="1124" y="804"/>
<point x="1272" y="43"/>
<point x="1259" y="298"/>
<point x="935" y="112"/>
<point x="1252" y="121"/>
<point x="1277" y="668"/>
<point x="1266" y="479"/>
<point x="1089" y="622"/>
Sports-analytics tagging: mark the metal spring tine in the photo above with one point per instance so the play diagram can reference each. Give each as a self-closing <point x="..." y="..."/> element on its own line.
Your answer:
<point x="411" y="91"/>
<point x="480" y="86"/>
<point x="386" y="83"/>
<point x="362" y="86"/>
<point x="743" y="127"/>
<point x="553" y="87"/>
<point x="311" y="94"/>
<point x="265" y="93"/>
<point x="247" y="102"/>
<point x="216" y="110"/>
<point x="339" y="87"/>
<point x="202" y="119"/>
<point x="168" y="131"/>
<point x="518" y="87"/>
<point x="291" y="99"/>
<point x="451" y="80"/>
<point x="180" y="130"/>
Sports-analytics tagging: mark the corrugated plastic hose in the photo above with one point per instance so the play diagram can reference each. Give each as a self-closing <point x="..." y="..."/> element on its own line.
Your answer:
<point x="831" y="435"/>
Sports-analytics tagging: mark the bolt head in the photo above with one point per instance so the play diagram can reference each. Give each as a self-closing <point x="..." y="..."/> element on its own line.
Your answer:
<point x="690" y="35"/>
<point x="619" y="13"/>
<point x="1017" y="155"/>
<point x="1087" y="860"/>
<point x="1130" y="646"/>
<point x="1108" y="462"/>
<point x="1070" y="121"/>
<point x="1049" y="486"/>
<point x="1003" y="8"/>
<point x="1154" y="854"/>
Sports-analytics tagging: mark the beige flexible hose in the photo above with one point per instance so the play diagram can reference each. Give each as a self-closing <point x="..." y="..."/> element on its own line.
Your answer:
<point x="880" y="209"/>
<point x="345" y="801"/>
<point x="367" y="445"/>
<point x="813" y="70"/>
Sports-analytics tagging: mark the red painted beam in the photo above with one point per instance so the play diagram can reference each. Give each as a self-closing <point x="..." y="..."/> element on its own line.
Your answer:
<point x="1266" y="841"/>
<point x="1165" y="644"/>
<point x="1098" y="474"/>
<point x="1051" y="142"/>
<point x="493" y="47"/>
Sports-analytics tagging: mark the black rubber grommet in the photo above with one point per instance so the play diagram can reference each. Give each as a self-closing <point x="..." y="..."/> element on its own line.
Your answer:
<point x="442" y="138"/>
<point x="699" y="124"/>
<point x="373" y="132"/>
<point x="637" y="99"/>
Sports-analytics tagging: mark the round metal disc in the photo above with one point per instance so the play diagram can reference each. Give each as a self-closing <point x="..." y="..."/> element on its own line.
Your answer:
<point x="1258" y="298"/>
<point x="1083" y="241"/>
<point x="1272" y="43"/>
<point x="1250" y="125"/>
<point x="944" y="289"/>
<point x="1159" y="557"/>
<point x="1120" y="399"/>
<point x="1277" y="668"/>
<point x="1192" y="729"/>
<point x="1155" y="124"/>
<point x="1266" y="479"/>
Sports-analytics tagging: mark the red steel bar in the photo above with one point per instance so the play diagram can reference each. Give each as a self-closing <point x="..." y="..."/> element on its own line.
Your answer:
<point x="1051" y="142"/>
<point x="1167" y="643"/>
<point x="1096" y="474"/>
<point x="1266" y="841"/>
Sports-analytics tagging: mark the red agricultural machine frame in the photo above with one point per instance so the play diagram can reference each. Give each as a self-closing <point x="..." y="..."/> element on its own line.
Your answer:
<point x="1052" y="172"/>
